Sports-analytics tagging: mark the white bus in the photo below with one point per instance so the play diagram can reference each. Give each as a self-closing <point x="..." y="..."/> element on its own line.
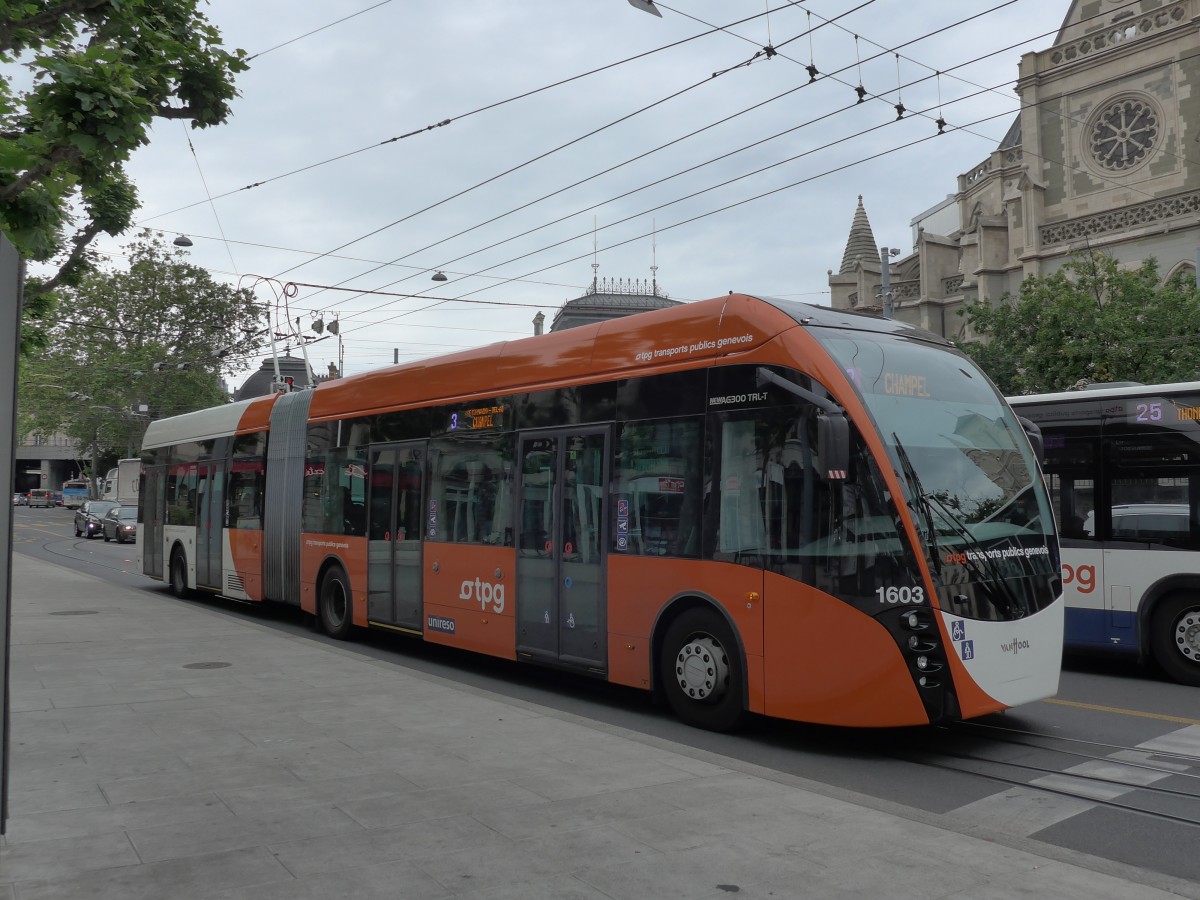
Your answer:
<point x="1123" y="467"/>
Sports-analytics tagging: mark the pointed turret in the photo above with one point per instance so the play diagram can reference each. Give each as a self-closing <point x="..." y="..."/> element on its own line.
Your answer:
<point x="861" y="242"/>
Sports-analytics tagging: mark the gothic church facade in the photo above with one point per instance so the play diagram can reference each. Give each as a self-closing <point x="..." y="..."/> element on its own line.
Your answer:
<point x="1104" y="155"/>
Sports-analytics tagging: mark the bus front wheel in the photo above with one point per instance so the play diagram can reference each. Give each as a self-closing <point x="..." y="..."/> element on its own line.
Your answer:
<point x="334" y="610"/>
<point x="179" y="585"/>
<point x="1175" y="638"/>
<point x="701" y="671"/>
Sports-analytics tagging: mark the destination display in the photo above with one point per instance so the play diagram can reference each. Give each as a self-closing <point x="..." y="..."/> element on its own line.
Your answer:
<point x="1153" y="410"/>
<point x="477" y="417"/>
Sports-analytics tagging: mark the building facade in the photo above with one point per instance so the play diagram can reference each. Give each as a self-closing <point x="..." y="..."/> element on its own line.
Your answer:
<point x="1103" y="156"/>
<point x="609" y="298"/>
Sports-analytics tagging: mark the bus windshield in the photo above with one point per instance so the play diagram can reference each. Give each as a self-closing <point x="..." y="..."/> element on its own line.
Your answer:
<point x="960" y="450"/>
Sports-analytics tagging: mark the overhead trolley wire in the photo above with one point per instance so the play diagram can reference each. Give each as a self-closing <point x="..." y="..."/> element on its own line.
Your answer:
<point x="461" y="116"/>
<point x="697" y="167"/>
<point x="646" y="212"/>
<point x="688" y="220"/>
<point x="529" y="162"/>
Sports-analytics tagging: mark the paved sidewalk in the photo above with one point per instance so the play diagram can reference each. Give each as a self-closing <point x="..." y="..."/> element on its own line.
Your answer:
<point x="162" y="751"/>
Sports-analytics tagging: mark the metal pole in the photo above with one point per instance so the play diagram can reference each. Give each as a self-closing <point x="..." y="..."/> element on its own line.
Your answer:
<point x="885" y="287"/>
<point x="12" y="282"/>
<point x="97" y="488"/>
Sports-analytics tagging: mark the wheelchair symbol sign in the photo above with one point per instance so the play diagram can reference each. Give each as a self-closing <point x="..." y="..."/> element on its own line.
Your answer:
<point x="958" y="630"/>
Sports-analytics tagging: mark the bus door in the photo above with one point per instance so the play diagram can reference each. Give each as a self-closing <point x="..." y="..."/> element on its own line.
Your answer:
<point x="397" y="480"/>
<point x="150" y="529"/>
<point x="561" y="609"/>
<point x="210" y="520"/>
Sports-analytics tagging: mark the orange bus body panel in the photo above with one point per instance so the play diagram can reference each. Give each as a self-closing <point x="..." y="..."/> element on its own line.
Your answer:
<point x="351" y="552"/>
<point x="972" y="699"/>
<point x="246" y="550"/>
<point x="485" y="628"/>
<point x="257" y="416"/>
<point x="830" y="664"/>
<point x="368" y="393"/>
<point x="662" y="340"/>
<point x="639" y="587"/>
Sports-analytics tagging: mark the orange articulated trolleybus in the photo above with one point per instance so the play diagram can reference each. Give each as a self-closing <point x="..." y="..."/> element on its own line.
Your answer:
<point x="745" y="504"/>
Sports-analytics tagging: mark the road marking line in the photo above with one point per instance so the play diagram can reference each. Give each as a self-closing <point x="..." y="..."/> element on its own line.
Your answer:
<point x="1123" y="712"/>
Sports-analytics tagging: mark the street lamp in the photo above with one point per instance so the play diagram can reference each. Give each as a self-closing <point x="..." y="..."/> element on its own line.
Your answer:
<point x="885" y="277"/>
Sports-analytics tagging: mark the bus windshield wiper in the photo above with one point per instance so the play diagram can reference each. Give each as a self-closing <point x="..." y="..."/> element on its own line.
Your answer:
<point x="922" y="499"/>
<point x="975" y="558"/>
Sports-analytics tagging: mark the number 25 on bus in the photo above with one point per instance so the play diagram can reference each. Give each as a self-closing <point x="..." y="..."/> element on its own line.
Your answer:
<point x="742" y="504"/>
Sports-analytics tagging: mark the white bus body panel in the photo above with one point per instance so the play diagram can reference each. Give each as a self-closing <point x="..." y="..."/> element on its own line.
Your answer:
<point x="1014" y="662"/>
<point x="185" y="536"/>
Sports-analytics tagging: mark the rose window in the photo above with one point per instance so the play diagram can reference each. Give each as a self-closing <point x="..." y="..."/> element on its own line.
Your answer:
<point x="1124" y="133"/>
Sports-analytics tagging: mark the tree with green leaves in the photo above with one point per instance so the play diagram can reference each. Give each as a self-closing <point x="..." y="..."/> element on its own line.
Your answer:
<point x="81" y="83"/>
<point x="1092" y="321"/>
<point x="130" y="345"/>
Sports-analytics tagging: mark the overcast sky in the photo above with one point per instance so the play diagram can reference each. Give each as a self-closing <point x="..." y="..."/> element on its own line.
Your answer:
<point x="355" y="194"/>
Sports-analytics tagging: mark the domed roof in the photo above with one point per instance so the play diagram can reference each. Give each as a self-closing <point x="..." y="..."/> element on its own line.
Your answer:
<point x="610" y="299"/>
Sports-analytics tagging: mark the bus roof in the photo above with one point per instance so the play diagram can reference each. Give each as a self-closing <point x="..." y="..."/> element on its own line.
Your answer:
<point x="678" y="337"/>
<point x="675" y="338"/>
<point x="201" y="425"/>
<point x="1102" y="391"/>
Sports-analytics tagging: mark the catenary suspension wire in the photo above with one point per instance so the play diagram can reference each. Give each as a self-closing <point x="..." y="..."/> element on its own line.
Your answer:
<point x="461" y="116"/>
<point x="663" y="146"/>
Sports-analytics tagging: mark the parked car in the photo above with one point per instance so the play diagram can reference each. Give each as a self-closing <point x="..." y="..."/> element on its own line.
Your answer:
<point x="89" y="515"/>
<point x="120" y="524"/>
<point x="42" y="498"/>
<point x="19" y="499"/>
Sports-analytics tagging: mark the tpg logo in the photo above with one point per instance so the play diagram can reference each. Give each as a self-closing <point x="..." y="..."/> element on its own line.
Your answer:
<point x="483" y="593"/>
<point x="1083" y="577"/>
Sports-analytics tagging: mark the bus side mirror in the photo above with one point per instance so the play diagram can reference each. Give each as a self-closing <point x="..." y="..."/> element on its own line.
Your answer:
<point x="833" y="445"/>
<point x="1035" y="439"/>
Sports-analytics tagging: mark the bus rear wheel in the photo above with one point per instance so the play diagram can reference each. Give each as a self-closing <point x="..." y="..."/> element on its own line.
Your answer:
<point x="1175" y="638"/>
<point x="334" y="610"/>
<point x="701" y="671"/>
<point x="179" y="585"/>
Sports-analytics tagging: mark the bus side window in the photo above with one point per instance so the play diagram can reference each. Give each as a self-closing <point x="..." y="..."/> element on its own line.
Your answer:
<point x="657" y="473"/>
<point x="1073" y="498"/>
<point x="471" y="488"/>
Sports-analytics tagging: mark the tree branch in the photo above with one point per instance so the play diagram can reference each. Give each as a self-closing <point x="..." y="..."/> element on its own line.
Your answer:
<point x="82" y="239"/>
<point x="41" y="170"/>
<point x="49" y="16"/>
<point x="175" y="112"/>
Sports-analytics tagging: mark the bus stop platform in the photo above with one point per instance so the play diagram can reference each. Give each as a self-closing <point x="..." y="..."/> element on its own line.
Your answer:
<point x="168" y="751"/>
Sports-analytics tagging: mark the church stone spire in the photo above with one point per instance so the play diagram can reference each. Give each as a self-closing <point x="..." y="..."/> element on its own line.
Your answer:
<point x="861" y="242"/>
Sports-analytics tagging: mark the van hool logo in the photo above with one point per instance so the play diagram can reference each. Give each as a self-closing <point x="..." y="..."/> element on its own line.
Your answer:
<point x="1015" y="646"/>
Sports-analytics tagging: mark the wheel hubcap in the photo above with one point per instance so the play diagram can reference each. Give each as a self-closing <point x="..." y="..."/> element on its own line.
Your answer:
<point x="1187" y="635"/>
<point x="337" y="604"/>
<point x="702" y="668"/>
